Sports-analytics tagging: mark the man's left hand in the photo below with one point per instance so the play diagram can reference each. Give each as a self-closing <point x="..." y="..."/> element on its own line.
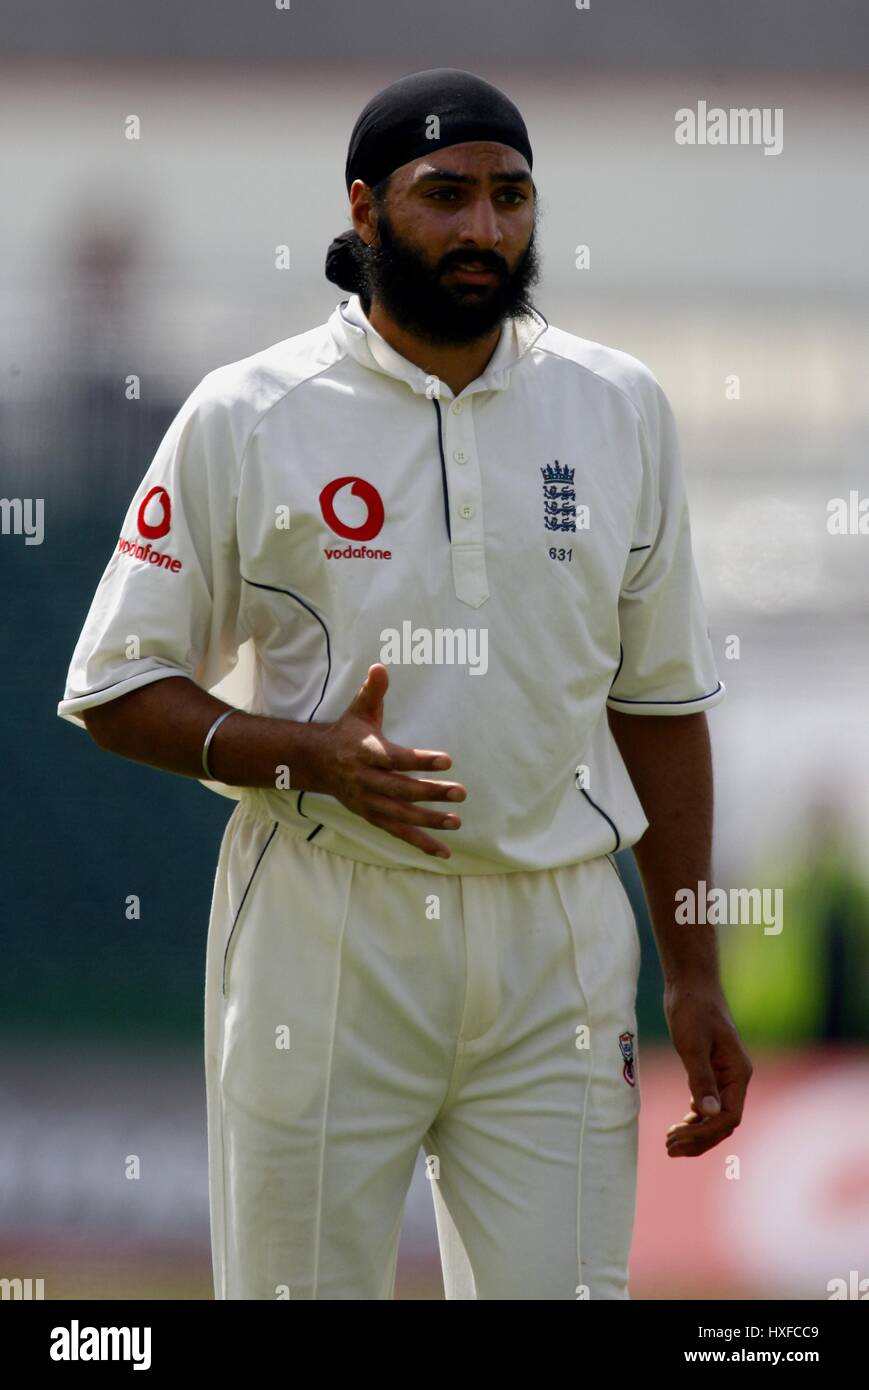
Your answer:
<point x="718" y="1067"/>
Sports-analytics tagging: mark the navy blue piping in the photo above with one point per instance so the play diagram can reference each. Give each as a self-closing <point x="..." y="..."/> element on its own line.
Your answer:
<point x="243" y="900"/>
<point x="695" y="700"/>
<point x="85" y="694"/>
<point x="621" y="661"/>
<point x="443" y="468"/>
<point x="609" y="857"/>
<point x="273" y="588"/>
<point x="603" y="813"/>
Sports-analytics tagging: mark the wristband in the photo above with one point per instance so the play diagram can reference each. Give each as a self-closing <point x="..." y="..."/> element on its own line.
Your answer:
<point x="209" y="736"/>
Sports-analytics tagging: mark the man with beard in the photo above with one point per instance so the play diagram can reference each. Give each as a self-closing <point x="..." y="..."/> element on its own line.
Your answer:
<point x="438" y="480"/>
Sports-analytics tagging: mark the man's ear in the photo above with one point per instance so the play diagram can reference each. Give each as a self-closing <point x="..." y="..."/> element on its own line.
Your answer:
<point x="372" y="231"/>
<point x="362" y="212"/>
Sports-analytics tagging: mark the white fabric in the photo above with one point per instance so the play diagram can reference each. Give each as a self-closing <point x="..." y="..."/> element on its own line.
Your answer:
<point x="354" y="1013"/>
<point x="573" y="620"/>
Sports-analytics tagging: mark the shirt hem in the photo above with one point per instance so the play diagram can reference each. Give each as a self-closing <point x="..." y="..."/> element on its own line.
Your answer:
<point x="71" y="709"/>
<point x="675" y="707"/>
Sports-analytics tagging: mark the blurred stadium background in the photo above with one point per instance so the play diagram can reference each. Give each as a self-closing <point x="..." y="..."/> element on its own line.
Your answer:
<point x="156" y="258"/>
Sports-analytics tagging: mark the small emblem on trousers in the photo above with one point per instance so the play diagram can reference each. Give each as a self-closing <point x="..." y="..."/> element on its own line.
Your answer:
<point x="626" y="1045"/>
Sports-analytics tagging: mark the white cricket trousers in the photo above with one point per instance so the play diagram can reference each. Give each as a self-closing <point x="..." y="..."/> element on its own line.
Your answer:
<point x="355" y="1012"/>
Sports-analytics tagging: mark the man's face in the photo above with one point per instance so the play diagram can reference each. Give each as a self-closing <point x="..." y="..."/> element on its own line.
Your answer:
<point x="454" y="248"/>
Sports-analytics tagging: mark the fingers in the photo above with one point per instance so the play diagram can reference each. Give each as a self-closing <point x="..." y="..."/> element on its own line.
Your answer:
<point x="382" y="782"/>
<point x="696" y="1134"/>
<point x="686" y="1141"/>
<point x="369" y="697"/>
<point x="702" y="1081"/>
<point x="412" y="835"/>
<point x="369" y="775"/>
<point x="417" y="759"/>
<point x="388" y="798"/>
<point x="400" y="819"/>
<point x="392" y="757"/>
<point x="691" y="1118"/>
<point x="717" y="1081"/>
<point x="389" y="809"/>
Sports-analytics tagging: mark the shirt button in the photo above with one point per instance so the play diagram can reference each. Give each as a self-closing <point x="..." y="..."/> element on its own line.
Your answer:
<point x="466" y="510"/>
<point x="460" y="456"/>
<point x="457" y="407"/>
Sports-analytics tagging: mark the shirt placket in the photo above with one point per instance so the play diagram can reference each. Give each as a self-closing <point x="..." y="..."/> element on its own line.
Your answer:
<point x="464" y="485"/>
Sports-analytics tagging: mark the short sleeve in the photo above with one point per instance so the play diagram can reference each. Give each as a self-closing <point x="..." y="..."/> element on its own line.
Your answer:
<point x="167" y="602"/>
<point x="667" y="664"/>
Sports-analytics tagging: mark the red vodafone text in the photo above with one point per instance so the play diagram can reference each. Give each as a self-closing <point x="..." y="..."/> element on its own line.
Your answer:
<point x="136" y="551"/>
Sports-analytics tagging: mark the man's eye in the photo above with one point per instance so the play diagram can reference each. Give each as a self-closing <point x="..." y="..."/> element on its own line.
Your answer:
<point x="511" y="193"/>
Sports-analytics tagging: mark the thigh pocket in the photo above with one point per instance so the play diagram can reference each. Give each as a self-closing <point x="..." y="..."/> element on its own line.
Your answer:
<point x="624" y="912"/>
<point x="608" y="961"/>
<point x="629" y="974"/>
<point x="244" y="904"/>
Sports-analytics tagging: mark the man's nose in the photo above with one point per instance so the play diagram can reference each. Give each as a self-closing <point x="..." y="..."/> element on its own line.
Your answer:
<point x="481" y="226"/>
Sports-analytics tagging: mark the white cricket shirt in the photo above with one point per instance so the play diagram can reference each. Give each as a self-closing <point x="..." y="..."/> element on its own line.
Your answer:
<point x="519" y="556"/>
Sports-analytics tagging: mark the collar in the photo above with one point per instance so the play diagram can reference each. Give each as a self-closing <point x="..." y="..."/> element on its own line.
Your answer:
<point x="358" y="337"/>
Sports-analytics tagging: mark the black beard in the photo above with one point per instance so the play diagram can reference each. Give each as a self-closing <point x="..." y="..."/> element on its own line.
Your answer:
<point x="421" y="302"/>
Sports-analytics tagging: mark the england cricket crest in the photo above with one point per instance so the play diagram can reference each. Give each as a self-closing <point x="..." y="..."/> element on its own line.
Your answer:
<point x="626" y="1045"/>
<point x="559" y="498"/>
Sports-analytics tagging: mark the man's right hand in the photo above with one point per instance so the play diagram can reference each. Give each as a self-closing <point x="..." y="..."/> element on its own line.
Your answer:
<point x="164" y="724"/>
<point x="362" y="769"/>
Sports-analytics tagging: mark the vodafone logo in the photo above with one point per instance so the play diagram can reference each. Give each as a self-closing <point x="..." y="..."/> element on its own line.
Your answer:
<point x="366" y="493"/>
<point x="158" y="497"/>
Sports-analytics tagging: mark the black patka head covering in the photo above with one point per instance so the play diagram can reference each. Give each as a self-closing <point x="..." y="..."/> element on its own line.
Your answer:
<point x="397" y="126"/>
